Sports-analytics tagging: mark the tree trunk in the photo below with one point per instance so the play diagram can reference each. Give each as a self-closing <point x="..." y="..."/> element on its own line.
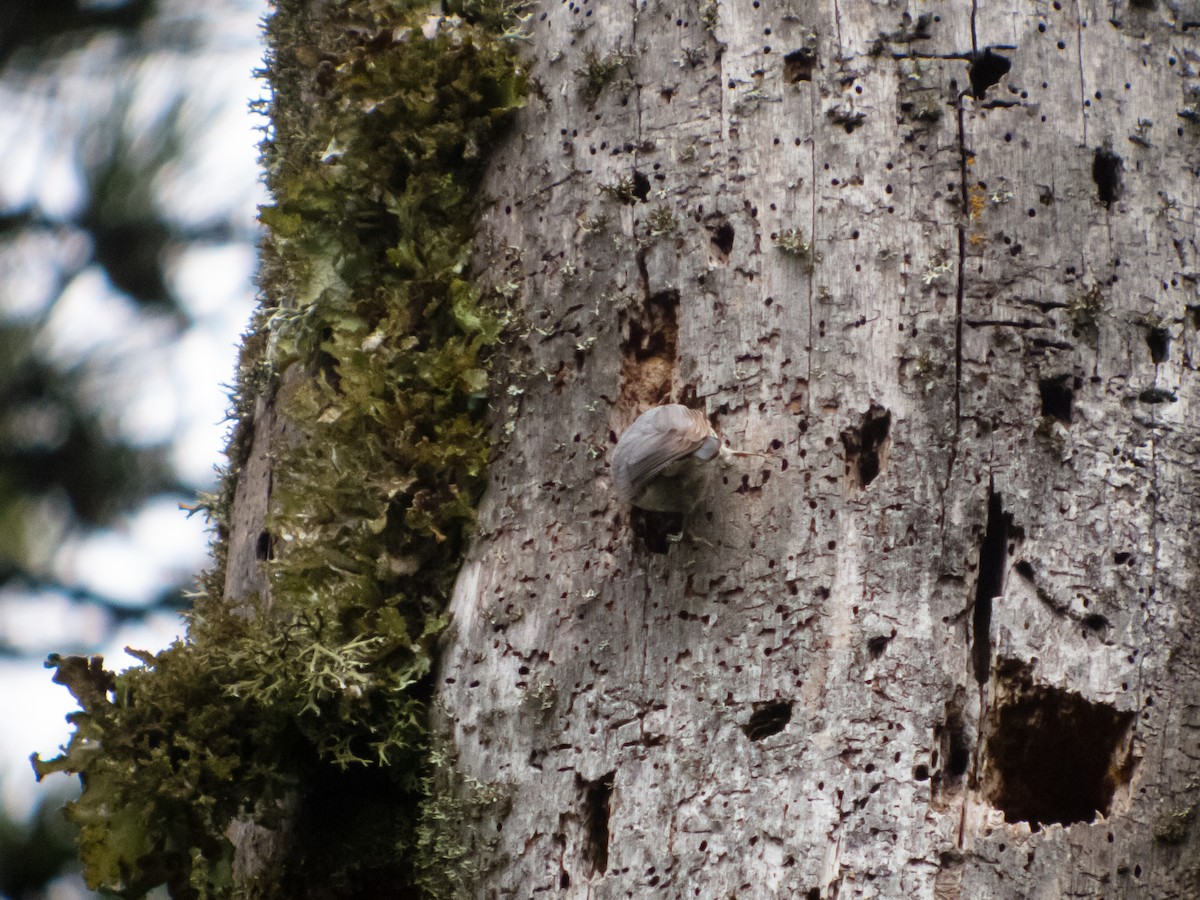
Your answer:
<point x="940" y="265"/>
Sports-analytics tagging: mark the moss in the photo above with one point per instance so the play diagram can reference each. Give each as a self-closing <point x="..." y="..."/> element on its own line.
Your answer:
<point x="378" y="140"/>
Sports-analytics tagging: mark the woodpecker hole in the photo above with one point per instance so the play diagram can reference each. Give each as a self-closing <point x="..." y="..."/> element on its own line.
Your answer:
<point x="867" y="447"/>
<point x="986" y="70"/>
<point x="1106" y="172"/>
<point x="1058" y="394"/>
<point x="641" y="186"/>
<point x="721" y="237"/>
<point x="878" y="644"/>
<point x="958" y="757"/>
<point x="767" y="719"/>
<point x="953" y="749"/>
<point x="1053" y="756"/>
<point x="798" y="65"/>
<point x="992" y="555"/>
<point x="597" y="800"/>
<point x="1157" y="395"/>
<point x="1159" y="342"/>
<point x="649" y="337"/>
<point x="655" y="529"/>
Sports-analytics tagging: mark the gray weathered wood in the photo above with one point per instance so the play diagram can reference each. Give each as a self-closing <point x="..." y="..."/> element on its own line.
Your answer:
<point x="957" y="315"/>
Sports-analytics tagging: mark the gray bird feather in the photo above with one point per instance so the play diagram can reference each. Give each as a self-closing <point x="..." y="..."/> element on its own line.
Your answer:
<point x="659" y="463"/>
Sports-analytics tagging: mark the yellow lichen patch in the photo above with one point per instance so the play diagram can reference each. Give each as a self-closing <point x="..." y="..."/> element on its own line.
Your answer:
<point x="976" y="201"/>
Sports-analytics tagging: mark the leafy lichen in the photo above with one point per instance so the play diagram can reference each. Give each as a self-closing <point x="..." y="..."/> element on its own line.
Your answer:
<point x="373" y="346"/>
<point x="793" y="242"/>
<point x="598" y="72"/>
<point x="1174" y="827"/>
<point x="1085" y="308"/>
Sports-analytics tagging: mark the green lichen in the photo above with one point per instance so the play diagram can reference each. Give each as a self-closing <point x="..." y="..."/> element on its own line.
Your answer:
<point x="450" y="830"/>
<point x="794" y="243"/>
<point x="1086" y="307"/>
<point x="661" y="223"/>
<point x="1175" y="827"/>
<point x="928" y="371"/>
<point x="598" y="72"/>
<point x="374" y="346"/>
<point x="623" y="190"/>
<point x="597" y="224"/>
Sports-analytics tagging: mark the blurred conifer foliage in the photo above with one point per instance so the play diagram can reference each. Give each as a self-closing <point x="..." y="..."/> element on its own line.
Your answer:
<point x="87" y="207"/>
<point x="98" y="115"/>
<point x="32" y="24"/>
<point x="35" y="852"/>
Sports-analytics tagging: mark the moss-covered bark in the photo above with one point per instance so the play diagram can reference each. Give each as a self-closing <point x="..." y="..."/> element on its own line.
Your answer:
<point x="302" y="709"/>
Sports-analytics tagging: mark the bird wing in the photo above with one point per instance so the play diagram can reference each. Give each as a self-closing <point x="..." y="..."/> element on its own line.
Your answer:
<point x="660" y="436"/>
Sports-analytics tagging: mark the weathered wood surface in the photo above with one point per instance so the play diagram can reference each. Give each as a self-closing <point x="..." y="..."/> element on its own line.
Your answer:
<point x="813" y="708"/>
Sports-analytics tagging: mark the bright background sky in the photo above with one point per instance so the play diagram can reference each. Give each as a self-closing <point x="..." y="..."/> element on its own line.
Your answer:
<point x="158" y="387"/>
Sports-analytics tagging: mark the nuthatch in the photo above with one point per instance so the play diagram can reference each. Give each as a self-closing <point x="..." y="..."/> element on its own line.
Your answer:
<point x="663" y="460"/>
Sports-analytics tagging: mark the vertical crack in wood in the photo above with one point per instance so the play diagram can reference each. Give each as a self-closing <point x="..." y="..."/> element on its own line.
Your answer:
<point x="643" y="275"/>
<point x="959" y="291"/>
<point x="812" y="230"/>
<point x="992" y="556"/>
<point x="637" y="89"/>
<point x="1155" y="550"/>
<point x="1079" y="59"/>
<point x="837" y="24"/>
<point x="960" y="286"/>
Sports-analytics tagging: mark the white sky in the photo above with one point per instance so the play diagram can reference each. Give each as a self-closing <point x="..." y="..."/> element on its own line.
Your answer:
<point x="173" y="389"/>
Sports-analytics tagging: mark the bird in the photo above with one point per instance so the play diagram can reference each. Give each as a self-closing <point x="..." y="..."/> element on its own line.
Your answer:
<point x="663" y="461"/>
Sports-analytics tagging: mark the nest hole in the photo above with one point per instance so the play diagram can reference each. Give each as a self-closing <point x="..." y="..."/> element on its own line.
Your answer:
<point x="1052" y="755"/>
<point x="767" y="719"/>
<point x="798" y="65"/>
<point x="649" y="338"/>
<point x="867" y="447"/>
<point x="597" y="801"/>
<point x="986" y="70"/>
<point x="1106" y="172"/>
<point x="1058" y="396"/>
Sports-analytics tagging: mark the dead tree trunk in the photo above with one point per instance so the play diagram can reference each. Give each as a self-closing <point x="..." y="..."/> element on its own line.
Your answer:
<point x="940" y="262"/>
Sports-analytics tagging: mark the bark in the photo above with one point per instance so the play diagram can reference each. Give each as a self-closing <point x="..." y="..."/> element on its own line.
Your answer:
<point x="939" y="261"/>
